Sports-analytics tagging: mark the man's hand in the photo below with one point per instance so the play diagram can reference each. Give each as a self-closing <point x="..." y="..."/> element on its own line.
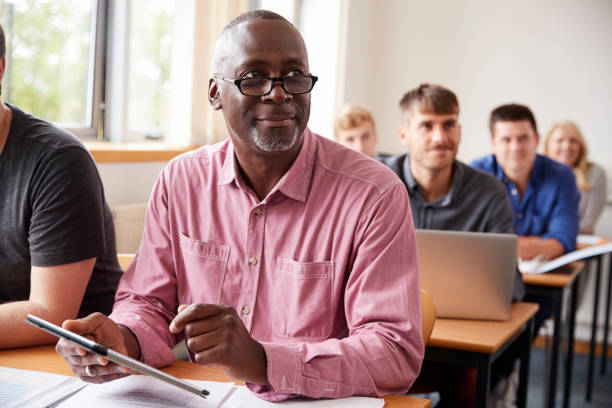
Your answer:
<point x="216" y="335"/>
<point x="529" y="247"/>
<point x="88" y="366"/>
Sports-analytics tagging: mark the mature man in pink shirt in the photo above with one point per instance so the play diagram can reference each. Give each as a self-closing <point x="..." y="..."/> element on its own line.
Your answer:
<point x="281" y="256"/>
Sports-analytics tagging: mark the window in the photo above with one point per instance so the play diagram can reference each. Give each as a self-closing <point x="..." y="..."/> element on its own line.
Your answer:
<point x="52" y="63"/>
<point x="117" y="68"/>
<point x="150" y="54"/>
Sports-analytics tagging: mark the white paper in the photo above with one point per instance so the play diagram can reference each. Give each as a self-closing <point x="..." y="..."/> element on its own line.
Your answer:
<point x="535" y="266"/>
<point x="588" y="239"/>
<point x="243" y="398"/>
<point x="26" y="388"/>
<point x="145" y="391"/>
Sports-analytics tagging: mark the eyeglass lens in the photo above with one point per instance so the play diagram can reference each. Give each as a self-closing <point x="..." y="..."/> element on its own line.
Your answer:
<point x="260" y="86"/>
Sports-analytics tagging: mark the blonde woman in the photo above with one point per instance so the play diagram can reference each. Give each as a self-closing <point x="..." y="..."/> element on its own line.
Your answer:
<point x="565" y="144"/>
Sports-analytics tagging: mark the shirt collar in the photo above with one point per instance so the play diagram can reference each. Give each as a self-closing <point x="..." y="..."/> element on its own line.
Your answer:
<point x="229" y="171"/>
<point x="296" y="181"/>
<point x="448" y="197"/>
<point x="410" y="181"/>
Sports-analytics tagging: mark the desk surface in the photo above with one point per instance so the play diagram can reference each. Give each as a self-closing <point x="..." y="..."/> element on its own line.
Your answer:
<point x="559" y="278"/>
<point x="480" y="336"/>
<point x="44" y="358"/>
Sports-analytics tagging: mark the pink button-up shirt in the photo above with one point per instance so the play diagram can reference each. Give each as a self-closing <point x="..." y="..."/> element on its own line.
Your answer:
<point x="323" y="272"/>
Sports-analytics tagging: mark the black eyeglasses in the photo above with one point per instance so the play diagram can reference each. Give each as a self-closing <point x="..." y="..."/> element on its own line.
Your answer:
<point x="294" y="84"/>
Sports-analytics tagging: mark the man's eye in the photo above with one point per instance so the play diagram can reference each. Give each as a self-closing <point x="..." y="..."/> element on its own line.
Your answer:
<point x="295" y="72"/>
<point x="251" y="74"/>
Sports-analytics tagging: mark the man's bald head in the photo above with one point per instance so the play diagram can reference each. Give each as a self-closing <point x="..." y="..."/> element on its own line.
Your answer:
<point x="224" y="41"/>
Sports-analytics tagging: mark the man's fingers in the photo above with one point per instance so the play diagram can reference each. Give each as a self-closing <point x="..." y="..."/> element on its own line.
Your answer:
<point x="197" y="311"/>
<point x="97" y="370"/>
<point x="86" y="325"/>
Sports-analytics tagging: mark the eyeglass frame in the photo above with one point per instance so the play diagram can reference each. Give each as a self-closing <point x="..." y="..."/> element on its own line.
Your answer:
<point x="272" y="80"/>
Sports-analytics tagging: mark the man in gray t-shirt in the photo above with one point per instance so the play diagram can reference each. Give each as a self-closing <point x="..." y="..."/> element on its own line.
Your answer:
<point x="446" y="194"/>
<point x="57" y="245"/>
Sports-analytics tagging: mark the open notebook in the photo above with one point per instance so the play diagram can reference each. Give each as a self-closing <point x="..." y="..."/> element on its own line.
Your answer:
<point x="538" y="265"/>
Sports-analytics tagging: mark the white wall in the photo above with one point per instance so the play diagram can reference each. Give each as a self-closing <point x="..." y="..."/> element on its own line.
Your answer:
<point x="128" y="183"/>
<point x="555" y="56"/>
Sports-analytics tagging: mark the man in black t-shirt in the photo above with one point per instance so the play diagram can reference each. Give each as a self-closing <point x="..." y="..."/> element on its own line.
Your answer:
<point x="57" y="243"/>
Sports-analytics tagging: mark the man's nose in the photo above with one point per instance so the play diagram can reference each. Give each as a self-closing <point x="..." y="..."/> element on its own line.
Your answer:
<point x="277" y="94"/>
<point x="437" y="134"/>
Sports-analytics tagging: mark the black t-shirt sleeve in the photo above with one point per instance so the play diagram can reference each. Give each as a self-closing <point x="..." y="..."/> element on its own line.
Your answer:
<point x="67" y="202"/>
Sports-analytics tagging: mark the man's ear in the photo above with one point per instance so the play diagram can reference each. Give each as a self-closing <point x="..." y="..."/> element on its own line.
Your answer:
<point x="403" y="135"/>
<point x="213" y="94"/>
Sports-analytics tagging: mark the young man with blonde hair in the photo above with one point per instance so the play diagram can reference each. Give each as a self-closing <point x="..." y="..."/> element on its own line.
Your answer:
<point x="354" y="127"/>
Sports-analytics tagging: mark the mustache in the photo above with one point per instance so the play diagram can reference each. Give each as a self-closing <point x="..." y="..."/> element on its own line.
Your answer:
<point x="446" y="146"/>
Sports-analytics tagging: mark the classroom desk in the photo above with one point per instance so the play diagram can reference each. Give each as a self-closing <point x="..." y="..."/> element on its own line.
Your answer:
<point x="478" y="343"/>
<point x="44" y="358"/>
<point x="551" y="285"/>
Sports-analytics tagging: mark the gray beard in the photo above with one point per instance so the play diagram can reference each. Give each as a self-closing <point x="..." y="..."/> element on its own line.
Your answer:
<point x="272" y="143"/>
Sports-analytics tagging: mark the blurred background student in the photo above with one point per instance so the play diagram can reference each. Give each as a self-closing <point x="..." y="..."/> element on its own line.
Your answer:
<point x="354" y="127"/>
<point x="564" y="143"/>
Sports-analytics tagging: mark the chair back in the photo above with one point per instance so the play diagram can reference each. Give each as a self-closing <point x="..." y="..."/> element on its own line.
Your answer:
<point x="429" y="314"/>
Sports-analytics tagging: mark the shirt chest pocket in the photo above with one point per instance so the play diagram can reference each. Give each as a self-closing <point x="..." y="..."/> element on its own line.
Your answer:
<point x="303" y="299"/>
<point x="205" y="265"/>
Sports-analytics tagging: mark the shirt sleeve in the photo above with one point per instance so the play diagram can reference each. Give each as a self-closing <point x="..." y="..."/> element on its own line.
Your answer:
<point x="67" y="204"/>
<point x="563" y="222"/>
<point x="146" y="299"/>
<point x="383" y="350"/>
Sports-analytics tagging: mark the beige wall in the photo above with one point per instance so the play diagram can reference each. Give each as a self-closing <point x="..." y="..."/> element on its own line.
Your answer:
<point x="554" y="56"/>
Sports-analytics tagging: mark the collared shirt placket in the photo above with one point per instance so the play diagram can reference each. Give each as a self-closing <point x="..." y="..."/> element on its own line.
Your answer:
<point x="252" y="264"/>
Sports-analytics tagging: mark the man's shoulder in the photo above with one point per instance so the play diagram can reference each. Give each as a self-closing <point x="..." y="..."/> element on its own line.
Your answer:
<point x="485" y="163"/>
<point x="394" y="161"/>
<point x="475" y="177"/>
<point x="552" y="171"/>
<point x="205" y="155"/>
<point x="344" y="163"/>
<point x="41" y="135"/>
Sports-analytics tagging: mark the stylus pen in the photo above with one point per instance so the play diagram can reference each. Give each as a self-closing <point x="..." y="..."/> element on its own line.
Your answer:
<point x="114" y="356"/>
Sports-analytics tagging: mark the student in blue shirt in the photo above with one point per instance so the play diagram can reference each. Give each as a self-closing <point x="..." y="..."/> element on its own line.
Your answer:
<point x="543" y="192"/>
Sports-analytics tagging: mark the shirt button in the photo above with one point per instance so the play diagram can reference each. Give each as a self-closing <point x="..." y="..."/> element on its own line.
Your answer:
<point x="252" y="261"/>
<point x="520" y="216"/>
<point x="257" y="212"/>
<point x="245" y="310"/>
<point x="514" y="191"/>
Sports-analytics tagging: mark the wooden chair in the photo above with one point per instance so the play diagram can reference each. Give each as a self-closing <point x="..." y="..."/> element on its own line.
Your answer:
<point x="429" y="318"/>
<point x="428" y="314"/>
<point x="125" y="260"/>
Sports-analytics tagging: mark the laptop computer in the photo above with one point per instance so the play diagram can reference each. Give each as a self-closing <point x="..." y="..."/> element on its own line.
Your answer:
<point x="469" y="274"/>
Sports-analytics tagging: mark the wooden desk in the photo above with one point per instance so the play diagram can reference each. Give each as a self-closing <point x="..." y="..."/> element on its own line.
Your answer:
<point x="44" y="358"/>
<point x="478" y="343"/>
<point x="551" y="285"/>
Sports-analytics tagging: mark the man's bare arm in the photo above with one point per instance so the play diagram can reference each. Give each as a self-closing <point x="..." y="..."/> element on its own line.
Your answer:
<point x="56" y="293"/>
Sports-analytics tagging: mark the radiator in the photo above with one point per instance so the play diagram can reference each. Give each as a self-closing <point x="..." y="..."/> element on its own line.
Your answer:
<point x="129" y="225"/>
